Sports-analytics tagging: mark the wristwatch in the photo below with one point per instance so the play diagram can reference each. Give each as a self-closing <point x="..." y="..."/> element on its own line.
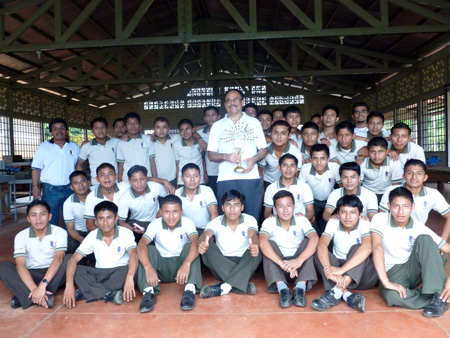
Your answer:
<point x="44" y="281"/>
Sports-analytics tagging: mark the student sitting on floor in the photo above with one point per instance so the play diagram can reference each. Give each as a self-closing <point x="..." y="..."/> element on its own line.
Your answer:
<point x="350" y="264"/>
<point x="288" y="243"/>
<point x="235" y="255"/>
<point x="40" y="262"/>
<point x="115" y="262"/>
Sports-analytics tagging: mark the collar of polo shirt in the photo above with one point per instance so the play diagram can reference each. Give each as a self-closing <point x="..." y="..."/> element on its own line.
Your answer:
<point x="370" y="165"/>
<point x="33" y="234"/>
<point x="342" y="228"/>
<point x="279" y="223"/>
<point x="100" y="194"/>
<point x="100" y="233"/>
<point x="224" y="220"/>
<point x="338" y="146"/>
<point x="94" y="140"/>
<point x="165" y="227"/>
<point x="423" y="190"/>
<point x="184" y="144"/>
<point x="358" y="192"/>
<point x="205" y="130"/>
<point x="313" y="171"/>
<point x="129" y="138"/>
<point x="281" y="185"/>
<point x="183" y="191"/>
<point x="392" y="222"/>
<point x="75" y="199"/>
<point x="405" y="151"/>
<point x="53" y="141"/>
<point x="136" y="195"/>
<point x="271" y="146"/>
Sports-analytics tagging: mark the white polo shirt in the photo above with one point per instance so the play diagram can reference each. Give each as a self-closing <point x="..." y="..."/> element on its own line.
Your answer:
<point x="96" y="196"/>
<point x="98" y="153"/>
<point x="141" y="207"/>
<point x="232" y="243"/>
<point x="350" y="155"/>
<point x="221" y="140"/>
<point x="306" y="155"/>
<point x="367" y="197"/>
<point x="303" y="195"/>
<point x="185" y="154"/>
<point x="170" y="242"/>
<point x="55" y="163"/>
<point x="212" y="168"/>
<point x="39" y="254"/>
<point x="73" y="212"/>
<point x="378" y="180"/>
<point x="108" y="256"/>
<point x="333" y="142"/>
<point x="321" y="185"/>
<point x="364" y="132"/>
<point x="287" y="241"/>
<point x="343" y="240"/>
<point x="165" y="158"/>
<point x="427" y="199"/>
<point x="197" y="210"/>
<point x="270" y="162"/>
<point x="398" y="242"/>
<point x="411" y="150"/>
<point x="135" y="151"/>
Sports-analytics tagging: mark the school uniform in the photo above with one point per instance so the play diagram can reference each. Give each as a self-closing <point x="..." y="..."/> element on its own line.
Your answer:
<point x="73" y="211"/>
<point x="378" y="180"/>
<point x="288" y="245"/>
<point x="364" y="132"/>
<point x="411" y="258"/>
<point x="96" y="196"/>
<point x="212" y="168"/>
<point x="368" y="199"/>
<point x="351" y="154"/>
<point x="333" y="141"/>
<point x="411" y="151"/>
<point x="169" y="253"/>
<point x="165" y="158"/>
<point x="39" y="255"/>
<point x="185" y="154"/>
<point x="111" y="262"/>
<point x="135" y="151"/>
<point x="229" y="258"/>
<point x="306" y="155"/>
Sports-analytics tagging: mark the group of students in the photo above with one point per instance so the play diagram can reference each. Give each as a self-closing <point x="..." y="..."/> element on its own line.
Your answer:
<point x="357" y="187"/>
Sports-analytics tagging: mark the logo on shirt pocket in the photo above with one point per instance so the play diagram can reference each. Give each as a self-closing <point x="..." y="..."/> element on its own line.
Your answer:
<point x="244" y="234"/>
<point x="387" y="174"/>
<point x="411" y="239"/>
<point x="119" y="249"/>
<point x="53" y="244"/>
<point x="299" y="197"/>
<point x="202" y="204"/>
<point x="112" y="149"/>
<point x="426" y="204"/>
<point x="330" y="180"/>
<point x="142" y="144"/>
<point x="295" y="233"/>
<point x="181" y="237"/>
<point x="358" y="241"/>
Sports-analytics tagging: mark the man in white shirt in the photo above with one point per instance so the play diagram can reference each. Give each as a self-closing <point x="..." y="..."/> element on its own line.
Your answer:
<point x="401" y="147"/>
<point x="348" y="149"/>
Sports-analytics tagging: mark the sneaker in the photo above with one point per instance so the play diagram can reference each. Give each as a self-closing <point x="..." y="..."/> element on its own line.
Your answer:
<point x="15" y="303"/>
<point x="285" y="298"/>
<point x="115" y="296"/>
<point x="436" y="307"/>
<point x="251" y="289"/>
<point x="147" y="303"/>
<point x="325" y="301"/>
<point x="299" y="298"/>
<point x="79" y="295"/>
<point x="50" y="300"/>
<point x="357" y="302"/>
<point x="209" y="291"/>
<point x="187" y="301"/>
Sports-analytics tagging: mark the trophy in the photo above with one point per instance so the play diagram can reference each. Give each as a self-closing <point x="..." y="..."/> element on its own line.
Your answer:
<point x="239" y="143"/>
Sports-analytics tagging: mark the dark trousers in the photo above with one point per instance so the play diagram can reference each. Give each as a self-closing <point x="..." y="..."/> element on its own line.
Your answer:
<point x="94" y="283"/>
<point x="72" y="244"/>
<point x="212" y="183"/>
<point x="10" y="277"/>
<point x="137" y="237"/>
<point x="319" y="224"/>
<point x="364" y="276"/>
<point x="55" y="196"/>
<point x="273" y="273"/>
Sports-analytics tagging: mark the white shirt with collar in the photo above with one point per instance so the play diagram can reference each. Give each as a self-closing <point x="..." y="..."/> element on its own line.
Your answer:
<point x="135" y="151"/>
<point x="367" y="197"/>
<point x="96" y="196"/>
<point x="222" y="140"/>
<point x="305" y="155"/>
<point x="39" y="254"/>
<point x="55" y="163"/>
<point x="350" y="155"/>
<point x="165" y="157"/>
<point x="303" y="195"/>
<point x="411" y="150"/>
<point x="212" y="168"/>
<point x="398" y="242"/>
<point x="108" y="256"/>
<point x="73" y="211"/>
<point x="270" y="162"/>
<point x="378" y="180"/>
<point x="364" y="132"/>
<point x="321" y="185"/>
<point x="185" y="154"/>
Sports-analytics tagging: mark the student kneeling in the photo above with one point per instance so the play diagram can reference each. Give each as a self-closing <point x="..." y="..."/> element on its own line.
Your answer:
<point x="115" y="262"/>
<point x="350" y="265"/>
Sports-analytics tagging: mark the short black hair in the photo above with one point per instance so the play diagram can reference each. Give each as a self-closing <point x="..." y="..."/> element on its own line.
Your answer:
<point x="360" y="104"/>
<point x="189" y="166"/>
<point x="185" y="121"/>
<point x="276" y="109"/>
<point x="377" y="142"/>
<point x="282" y="123"/>
<point x="57" y="120"/>
<point x="106" y="206"/>
<point x="351" y="201"/>
<point x="309" y="125"/>
<point x="119" y="119"/>
<point x="37" y="202"/>
<point x="266" y="112"/>
<point x="320" y="147"/>
<point x="375" y="113"/>
<point x="251" y="105"/>
<point x="287" y="157"/>
<point x="171" y="199"/>
<point x="235" y="90"/>
<point x="103" y="166"/>
<point x="211" y="108"/>
<point x="315" y="115"/>
<point x="414" y="161"/>
<point x="292" y="109"/>
<point x="137" y="168"/>
<point x="332" y="107"/>
<point x="345" y="125"/>
<point x="401" y="125"/>
<point x="161" y="119"/>
<point x="77" y="173"/>
<point x="132" y="115"/>
<point x="401" y="192"/>
<point x="98" y="119"/>
<point x="232" y="195"/>
<point x="350" y="166"/>
<point x="282" y="194"/>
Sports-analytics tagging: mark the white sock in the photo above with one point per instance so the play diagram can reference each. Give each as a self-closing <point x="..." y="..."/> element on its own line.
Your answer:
<point x="226" y="288"/>
<point x="346" y="295"/>
<point x="148" y="289"/>
<point x="337" y="293"/>
<point x="190" y="287"/>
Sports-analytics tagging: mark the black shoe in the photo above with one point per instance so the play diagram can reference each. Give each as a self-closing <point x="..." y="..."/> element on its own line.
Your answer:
<point x="187" y="301"/>
<point x="325" y="301"/>
<point x="435" y="308"/>
<point x="251" y="289"/>
<point x="209" y="291"/>
<point x="147" y="303"/>
<point x="285" y="298"/>
<point x="115" y="296"/>
<point x="15" y="303"/>
<point x="299" y="297"/>
<point x="79" y="295"/>
<point x="50" y="300"/>
<point x="357" y="302"/>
